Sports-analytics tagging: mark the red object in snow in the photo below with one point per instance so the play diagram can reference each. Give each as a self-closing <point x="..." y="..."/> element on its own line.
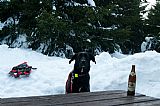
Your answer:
<point x="21" y="69"/>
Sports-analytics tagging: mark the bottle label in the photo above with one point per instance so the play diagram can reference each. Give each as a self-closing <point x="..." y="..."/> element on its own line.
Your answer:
<point x="132" y="73"/>
<point x="131" y="86"/>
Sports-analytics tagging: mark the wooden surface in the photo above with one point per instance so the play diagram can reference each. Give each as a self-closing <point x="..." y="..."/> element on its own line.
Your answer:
<point x="104" y="98"/>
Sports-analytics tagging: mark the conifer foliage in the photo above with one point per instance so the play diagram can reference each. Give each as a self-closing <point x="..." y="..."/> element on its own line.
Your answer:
<point x="57" y="24"/>
<point x="152" y="26"/>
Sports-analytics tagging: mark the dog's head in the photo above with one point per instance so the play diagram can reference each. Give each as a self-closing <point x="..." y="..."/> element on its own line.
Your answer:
<point x="83" y="61"/>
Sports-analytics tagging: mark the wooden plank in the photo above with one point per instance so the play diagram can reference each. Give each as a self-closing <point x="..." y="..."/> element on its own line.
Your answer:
<point x="80" y="99"/>
<point x="26" y="102"/>
<point x="33" y="103"/>
<point x="146" y="103"/>
<point x="70" y="99"/>
<point x="113" y="102"/>
<point x="104" y="98"/>
<point x="56" y="98"/>
<point x="64" y="96"/>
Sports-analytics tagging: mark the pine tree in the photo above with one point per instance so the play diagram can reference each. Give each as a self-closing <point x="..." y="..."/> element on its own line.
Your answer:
<point x="10" y="10"/>
<point x="122" y="22"/>
<point x="153" y="20"/>
<point x="152" y="25"/>
<point x="110" y="25"/>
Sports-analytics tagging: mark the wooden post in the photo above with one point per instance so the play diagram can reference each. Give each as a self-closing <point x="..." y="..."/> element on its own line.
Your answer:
<point x="132" y="82"/>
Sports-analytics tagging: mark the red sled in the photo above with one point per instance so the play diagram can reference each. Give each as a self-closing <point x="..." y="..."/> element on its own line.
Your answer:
<point x="21" y="69"/>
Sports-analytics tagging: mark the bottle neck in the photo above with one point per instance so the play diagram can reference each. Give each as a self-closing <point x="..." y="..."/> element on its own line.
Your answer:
<point x="133" y="68"/>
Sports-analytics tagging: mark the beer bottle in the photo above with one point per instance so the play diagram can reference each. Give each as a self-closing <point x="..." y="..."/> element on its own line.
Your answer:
<point x="132" y="82"/>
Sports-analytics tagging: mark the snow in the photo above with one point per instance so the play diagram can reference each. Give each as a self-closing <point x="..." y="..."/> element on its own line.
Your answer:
<point x="21" y="41"/>
<point x="91" y="2"/>
<point x="110" y="73"/>
<point x="150" y="4"/>
<point x="1" y="25"/>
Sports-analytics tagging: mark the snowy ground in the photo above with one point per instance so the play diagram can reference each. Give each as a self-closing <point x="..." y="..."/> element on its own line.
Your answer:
<point x="110" y="73"/>
<point x="1" y="25"/>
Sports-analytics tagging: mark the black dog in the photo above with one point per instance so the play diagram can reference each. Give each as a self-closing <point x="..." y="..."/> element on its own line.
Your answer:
<point x="78" y="79"/>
